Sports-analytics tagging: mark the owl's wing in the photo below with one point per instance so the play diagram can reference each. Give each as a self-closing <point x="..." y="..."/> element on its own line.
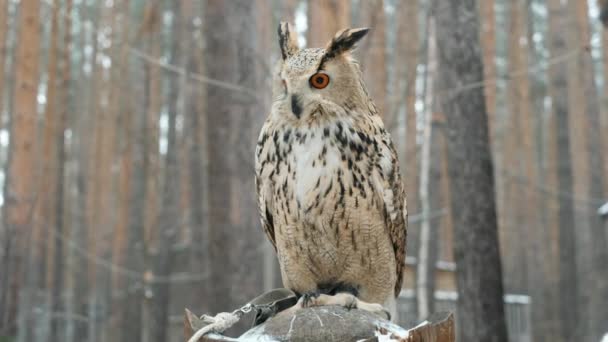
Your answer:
<point x="391" y="193"/>
<point x="263" y="185"/>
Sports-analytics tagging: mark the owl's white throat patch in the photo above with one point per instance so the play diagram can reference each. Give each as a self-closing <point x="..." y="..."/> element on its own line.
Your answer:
<point x="315" y="161"/>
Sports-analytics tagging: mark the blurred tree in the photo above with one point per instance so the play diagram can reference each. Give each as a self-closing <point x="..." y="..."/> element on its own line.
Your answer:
<point x="523" y="221"/>
<point x="372" y="55"/>
<point x="234" y="245"/>
<point x="408" y="56"/>
<point x="195" y="129"/>
<point x="101" y="179"/>
<point x="47" y="218"/>
<point x="481" y="314"/>
<point x="267" y="41"/>
<point x="517" y="150"/>
<point x="59" y="330"/>
<point x="194" y="184"/>
<point x="409" y="35"/>
<point x="325" y="18"/>
<point x="20" y="187"/>
<point x="511" y="216"/>
<point x="603" y="4"/>
<point x="288" y="10"/>
<point x="3" y="51"/>
<point x="440" y="200"/>
<point x="152" y="44"/>
<point x="139" y="189"/>
<point x="604" y="97"/>
<point x="558" y="90"/>
<point x="488" y="35"/>
<point x="488" y="44"/>
<point x="84" y="139"/>
<point x="119" y="104"/>
<point x="595" y="256"/>
<point x="549" y="327"/>
<point x="137" y="159"/>
<point x="150" y="35"/>
<point x="168" y="218"/>
<point x="427" y="247"/>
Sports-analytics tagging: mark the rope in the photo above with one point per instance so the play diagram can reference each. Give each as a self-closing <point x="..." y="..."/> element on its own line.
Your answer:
<point x="220" y="322"/>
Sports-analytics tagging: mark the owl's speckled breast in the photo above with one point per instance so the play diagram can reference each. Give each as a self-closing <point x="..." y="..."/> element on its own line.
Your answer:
<point x="335" y="233"/>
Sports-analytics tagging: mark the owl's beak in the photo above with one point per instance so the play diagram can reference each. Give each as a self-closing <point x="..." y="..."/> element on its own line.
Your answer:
<point x="296" y="105"/>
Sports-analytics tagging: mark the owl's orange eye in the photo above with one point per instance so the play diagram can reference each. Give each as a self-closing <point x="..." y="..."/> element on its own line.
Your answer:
<point x="319" y="80"/>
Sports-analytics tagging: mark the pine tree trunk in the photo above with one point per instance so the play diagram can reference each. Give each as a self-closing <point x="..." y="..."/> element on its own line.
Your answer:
<point x="128" y="250"/>
<point x="325" y="18"/>
<point x="266" y="42"/>
<point x="233" y="245"/>
<point x="197" y="159"/>
<point x="558" y="90"/>
<point x="513" y="221"/>
<point x="481" y="314"/>
<point x="150" y="34"/>
<point x="58" y="300"/>
<point x="526" y="179"/>
<point x="137" y="156"/>
<point x="594" y="239"/>
<point x="411" y="78"/>
<point x="120" y="33"/>
<point x="604" y="103"/>
<point x="425" y="271"/>
<point x="488" y="44"/>
<point x="288" y="10"/>
<point x="20" y="189"/>
<point x="438" y="184"/>
<point x="529" y="168"/>
<point x="409" y="45"/>
<point x="45" y="214"/>
<point x="372" y="55"/>
<point x="92" y="135"/>
<point x="106" y="148"/>
<point x="3" y="52"/>
<point x="603" y="5"/>
<point x="404" y="97"/>
<point x="446" y="250"/>
<point x="169" y="213"/>
<point x="101" y="181"/>
<point x="498" y="141"/>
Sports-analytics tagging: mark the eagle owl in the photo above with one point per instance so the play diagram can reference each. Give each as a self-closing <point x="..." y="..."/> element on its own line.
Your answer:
<point x="327" y="178"/>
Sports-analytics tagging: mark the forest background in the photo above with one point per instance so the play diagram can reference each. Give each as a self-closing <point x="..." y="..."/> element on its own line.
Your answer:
<point x="127" y="137"/>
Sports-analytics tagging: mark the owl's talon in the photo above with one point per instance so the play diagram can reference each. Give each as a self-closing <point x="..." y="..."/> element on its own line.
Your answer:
<point x="387" y="315"/>
<point x="345" y="300"/>
<point x="309" y="298"/>
<point x="352" y="304"/>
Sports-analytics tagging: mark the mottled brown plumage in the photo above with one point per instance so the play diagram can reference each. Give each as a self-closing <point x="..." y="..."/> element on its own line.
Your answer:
<point x="327" y="177"/>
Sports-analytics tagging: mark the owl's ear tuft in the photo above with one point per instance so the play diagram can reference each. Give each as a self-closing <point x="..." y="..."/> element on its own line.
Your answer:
<point x="288" y="40"/>
<point x="345" y="41"/>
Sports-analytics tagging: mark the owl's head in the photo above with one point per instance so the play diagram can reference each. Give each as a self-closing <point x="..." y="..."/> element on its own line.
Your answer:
<point x="317" y="83"/>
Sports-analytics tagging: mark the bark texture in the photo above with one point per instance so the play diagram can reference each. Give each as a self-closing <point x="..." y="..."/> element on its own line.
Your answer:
<point x="231" y="39"/>
<point x="558" y="90"/>
<point x="481" y="314"/>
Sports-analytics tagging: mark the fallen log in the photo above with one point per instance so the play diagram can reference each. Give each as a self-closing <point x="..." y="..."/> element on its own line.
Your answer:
<point x="332" y="323"/>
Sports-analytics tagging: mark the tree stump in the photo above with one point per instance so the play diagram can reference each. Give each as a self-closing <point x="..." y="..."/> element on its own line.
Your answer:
<point x="334" y="323"/>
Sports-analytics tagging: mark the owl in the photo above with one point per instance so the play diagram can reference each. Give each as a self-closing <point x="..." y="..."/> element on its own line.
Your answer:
<point x="327" y="178"/>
